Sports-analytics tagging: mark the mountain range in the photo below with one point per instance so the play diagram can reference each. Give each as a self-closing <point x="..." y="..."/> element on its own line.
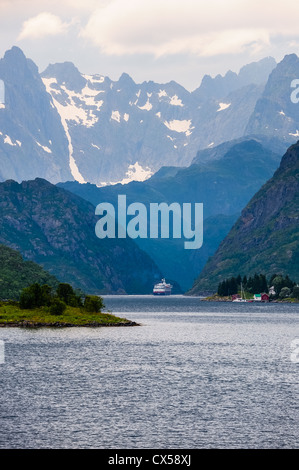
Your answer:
<point x="64" y="125"/>
<point x="121" y="129"/>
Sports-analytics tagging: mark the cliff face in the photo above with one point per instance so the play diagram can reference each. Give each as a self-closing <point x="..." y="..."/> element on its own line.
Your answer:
<point x="56" y="229"/>
<point x="265" y="239"/>
<point x="275" y="114"/>
<point x="32" y="139"/>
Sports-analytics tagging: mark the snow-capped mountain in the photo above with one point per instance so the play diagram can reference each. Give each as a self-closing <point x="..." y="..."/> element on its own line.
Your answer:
<point x="65" y="125"/>
<point x="120" y="130"/>
<point x="117" y="130"/>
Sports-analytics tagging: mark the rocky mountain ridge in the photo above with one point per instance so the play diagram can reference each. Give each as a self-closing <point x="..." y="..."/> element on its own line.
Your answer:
<point x="64" y="125"/>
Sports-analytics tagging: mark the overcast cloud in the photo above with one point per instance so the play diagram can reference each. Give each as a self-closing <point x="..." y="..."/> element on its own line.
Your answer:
<point x="151" y="39"/>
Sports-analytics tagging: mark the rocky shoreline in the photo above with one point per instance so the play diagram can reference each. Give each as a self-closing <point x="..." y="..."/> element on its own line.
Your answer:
<point x="226" y="299"/>
<point x="29" y="324"/>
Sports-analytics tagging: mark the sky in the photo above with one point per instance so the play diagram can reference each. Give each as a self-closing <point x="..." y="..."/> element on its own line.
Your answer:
<point x="159" y="40"/>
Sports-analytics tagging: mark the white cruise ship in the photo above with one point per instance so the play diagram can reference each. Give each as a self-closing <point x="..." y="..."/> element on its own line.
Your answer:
<point x="162" y="288"/>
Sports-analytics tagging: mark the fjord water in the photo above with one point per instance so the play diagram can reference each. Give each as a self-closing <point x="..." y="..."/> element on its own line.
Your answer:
<point x="193" y="375"/>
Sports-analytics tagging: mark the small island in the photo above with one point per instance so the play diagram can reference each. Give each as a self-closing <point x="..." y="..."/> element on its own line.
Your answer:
<point x="12" y="316"/>
<point x="39" y="307"/>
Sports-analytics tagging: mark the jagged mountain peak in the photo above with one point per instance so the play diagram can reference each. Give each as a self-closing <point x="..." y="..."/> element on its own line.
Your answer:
<point x="221" y="85"/>
<point x="289" y="59"/>
<point x="287" y="68"/>
<point x="65" y="73"/>
<point x="15" y="54"/>
<point x="126" y="78"/>
<point x="289" y="62"/>
<point x="275" y="113"/>
<point x="15" y="68"/>
<point x="257" y="72"/>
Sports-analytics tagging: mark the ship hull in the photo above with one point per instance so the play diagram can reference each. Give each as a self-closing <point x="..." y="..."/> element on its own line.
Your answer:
<point x="161" y="293"/>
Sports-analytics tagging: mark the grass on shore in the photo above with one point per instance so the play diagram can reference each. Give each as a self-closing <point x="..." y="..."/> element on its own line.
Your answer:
<point x="10" y="313"/>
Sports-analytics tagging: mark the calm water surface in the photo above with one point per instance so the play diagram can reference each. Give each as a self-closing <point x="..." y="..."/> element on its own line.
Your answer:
<point x="193" y="375"/>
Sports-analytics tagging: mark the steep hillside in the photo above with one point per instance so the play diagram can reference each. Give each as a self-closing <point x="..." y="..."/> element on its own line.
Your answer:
<point x="275" y="113"/>
<point x="56" y="229"/>
<point x="16" y="273"/>
<point x="265" y="239"/>
<point x="32" y="139"/>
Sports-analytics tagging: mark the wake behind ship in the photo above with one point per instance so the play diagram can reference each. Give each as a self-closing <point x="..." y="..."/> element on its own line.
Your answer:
<point x="162" y="288"/>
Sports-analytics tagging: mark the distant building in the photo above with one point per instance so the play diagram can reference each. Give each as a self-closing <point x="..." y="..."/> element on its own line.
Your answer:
<point x="272" y="291"/>
<point x="236" y="296"/>
<point x="261" y="297"/>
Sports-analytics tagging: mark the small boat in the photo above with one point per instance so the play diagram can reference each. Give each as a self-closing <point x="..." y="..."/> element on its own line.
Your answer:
<point x="243" y="297"/>
<point x="162" y="288"/>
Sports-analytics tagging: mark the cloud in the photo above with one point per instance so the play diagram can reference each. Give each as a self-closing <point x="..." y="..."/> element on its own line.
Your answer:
<point x="44" y="24"/>
<point x="207" y="29"/>
<point x="61" y="6"/>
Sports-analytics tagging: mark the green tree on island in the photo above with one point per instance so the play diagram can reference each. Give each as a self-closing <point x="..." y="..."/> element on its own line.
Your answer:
<point x="36" y="296"/>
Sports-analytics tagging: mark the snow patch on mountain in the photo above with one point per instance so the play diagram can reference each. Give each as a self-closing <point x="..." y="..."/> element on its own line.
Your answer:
<point x="95" y="146"/>
<point x="7" y="140"/>
<point x="148" y="106"/>
<point x="175" y="101"/>
<point x="44" y="147"/>
<point x="162" y="93"/>
<point x="94" y="78"/>
<point x="134" y="173"/>
<point x="223" y="106"/>
<point x="137" y="173"/>
<point x="115" y="115"/>
<point x="77" y="107"/>
<point x="179" y="125"/>
<point x="64" y="116"/>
